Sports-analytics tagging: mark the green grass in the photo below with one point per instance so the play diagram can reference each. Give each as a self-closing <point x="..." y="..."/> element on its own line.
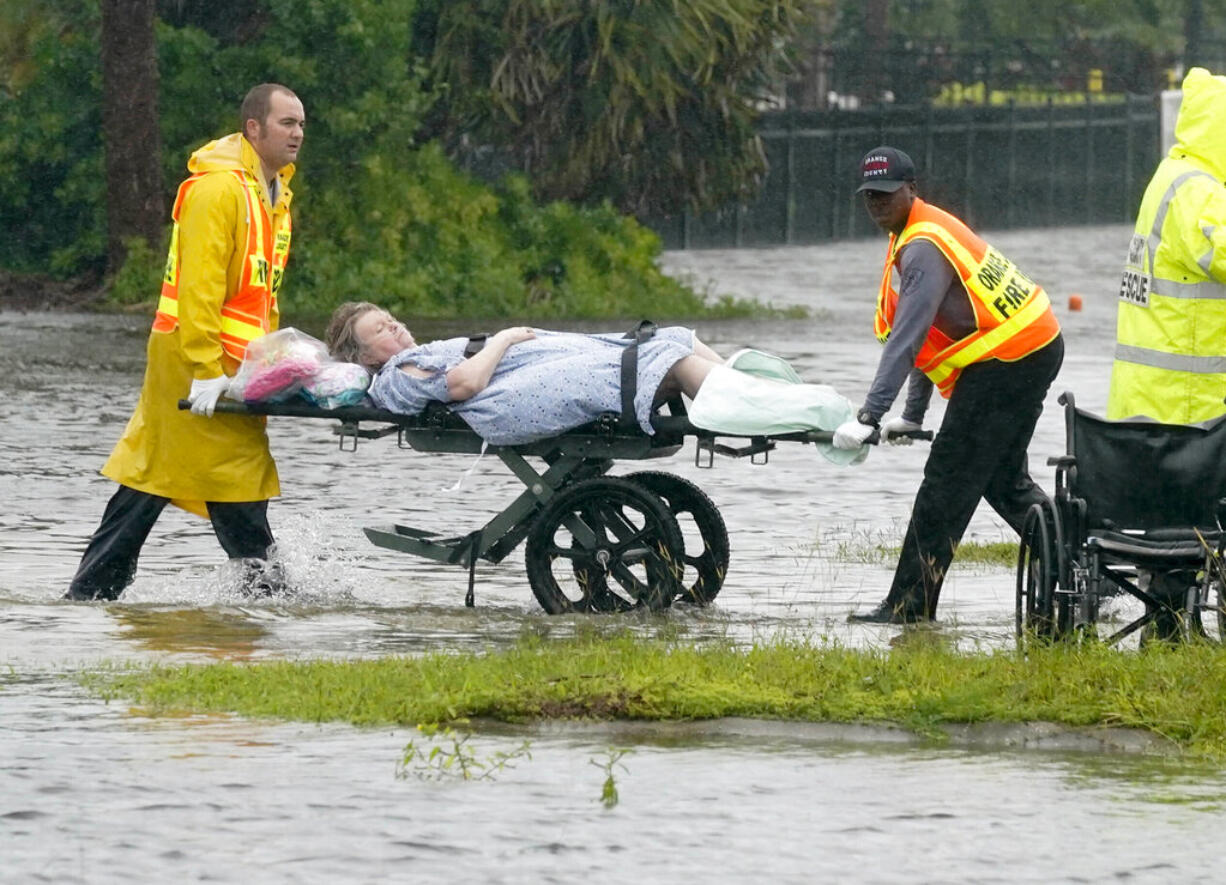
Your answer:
<point x="1173" y="692"/>
<point x="881" y="546"/>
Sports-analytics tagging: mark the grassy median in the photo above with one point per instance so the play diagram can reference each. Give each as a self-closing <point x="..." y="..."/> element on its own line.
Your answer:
<point x="1175" y="692"/>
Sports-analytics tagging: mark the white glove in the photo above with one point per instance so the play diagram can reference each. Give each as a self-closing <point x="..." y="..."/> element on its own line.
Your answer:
<point x="205" y="394"/>
<point x="892" y="430"/>
<point x="852" y="434"/>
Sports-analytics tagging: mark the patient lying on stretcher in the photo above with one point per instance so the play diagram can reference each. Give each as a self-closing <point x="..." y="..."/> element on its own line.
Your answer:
<point x="527" y="384"/>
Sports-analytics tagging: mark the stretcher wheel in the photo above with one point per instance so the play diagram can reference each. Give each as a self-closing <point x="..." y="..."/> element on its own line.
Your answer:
<point x="604" y="545"/>
<point x="706" y="536"/>
<point x="1039" y="611"/>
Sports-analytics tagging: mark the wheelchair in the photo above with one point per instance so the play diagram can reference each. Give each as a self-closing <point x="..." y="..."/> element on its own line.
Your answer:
<point x="1138" y="512"/>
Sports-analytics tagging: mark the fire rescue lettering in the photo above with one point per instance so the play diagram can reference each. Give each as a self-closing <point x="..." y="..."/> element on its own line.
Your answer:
<point x="993" y="273"/>
<point x="259" y="271"/>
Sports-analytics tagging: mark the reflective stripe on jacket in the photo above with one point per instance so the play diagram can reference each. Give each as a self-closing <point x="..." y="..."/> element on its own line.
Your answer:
<point x="1013" y="316"/>
<point x="245" y="315"/>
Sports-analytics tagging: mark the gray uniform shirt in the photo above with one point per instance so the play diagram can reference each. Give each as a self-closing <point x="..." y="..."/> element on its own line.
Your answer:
<point x="930" y="295"/>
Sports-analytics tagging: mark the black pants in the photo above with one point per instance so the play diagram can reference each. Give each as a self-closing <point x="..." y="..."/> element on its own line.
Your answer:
<point x="109" y="563"/>
<point x="979" y="452"/>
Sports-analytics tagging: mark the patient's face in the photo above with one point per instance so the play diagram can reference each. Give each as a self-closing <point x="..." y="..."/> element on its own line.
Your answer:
<point x="382" y="336"/>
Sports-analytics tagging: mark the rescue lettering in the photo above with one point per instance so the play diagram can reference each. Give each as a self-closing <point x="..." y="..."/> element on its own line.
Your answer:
<point x="1134" y="288"/>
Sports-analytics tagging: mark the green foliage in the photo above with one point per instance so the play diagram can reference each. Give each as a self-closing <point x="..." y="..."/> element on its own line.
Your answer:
<point x="379" y="214"/>
<point x="52" y="209"/>
<point x="451" y="755"/>
<point x="609" y="797"/>
<point x="649" y="105"/>
<point x="140" y="278"/>
<point x="425" y="240"/>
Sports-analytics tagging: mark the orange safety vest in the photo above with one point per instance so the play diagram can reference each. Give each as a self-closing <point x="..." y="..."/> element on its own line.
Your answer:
<point x="245" y="315"/>
<point x="1013" y="316"/>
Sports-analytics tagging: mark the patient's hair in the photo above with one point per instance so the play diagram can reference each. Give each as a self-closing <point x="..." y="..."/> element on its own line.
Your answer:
<point x="341" y="339"/>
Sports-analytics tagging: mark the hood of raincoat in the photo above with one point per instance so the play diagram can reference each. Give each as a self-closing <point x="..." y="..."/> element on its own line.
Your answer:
<point x="232" y="152"/>
<point x="1200" y="129"/>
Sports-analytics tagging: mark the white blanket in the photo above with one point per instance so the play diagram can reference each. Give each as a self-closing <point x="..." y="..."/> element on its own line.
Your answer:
<point x="735" y="402"/>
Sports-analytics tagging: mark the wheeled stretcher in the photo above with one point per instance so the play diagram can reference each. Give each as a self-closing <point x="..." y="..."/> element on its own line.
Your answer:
<point x="594" y="543"/>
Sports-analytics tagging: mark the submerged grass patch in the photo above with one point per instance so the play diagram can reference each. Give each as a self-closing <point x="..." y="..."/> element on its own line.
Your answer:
<point x="1173" y="692"/>
<point x="882" y="546"/>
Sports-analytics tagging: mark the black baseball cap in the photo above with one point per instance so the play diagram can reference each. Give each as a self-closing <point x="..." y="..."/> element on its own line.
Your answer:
<point x="885" y="169"/>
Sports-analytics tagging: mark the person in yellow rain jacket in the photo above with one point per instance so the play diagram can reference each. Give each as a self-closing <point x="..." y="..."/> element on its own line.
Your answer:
<point x="1170" y="354"/>
<point x="228" y="250"/>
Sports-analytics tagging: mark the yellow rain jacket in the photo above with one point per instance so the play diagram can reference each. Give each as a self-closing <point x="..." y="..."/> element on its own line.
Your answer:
<point x="164" y="451"/>
<point x="1170" y="355"/>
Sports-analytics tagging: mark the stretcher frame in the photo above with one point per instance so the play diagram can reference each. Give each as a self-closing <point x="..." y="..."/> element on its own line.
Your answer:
<point x="573" y="464"/>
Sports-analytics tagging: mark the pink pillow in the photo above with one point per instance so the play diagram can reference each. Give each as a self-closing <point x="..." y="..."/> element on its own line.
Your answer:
<point x="282" y="378"/>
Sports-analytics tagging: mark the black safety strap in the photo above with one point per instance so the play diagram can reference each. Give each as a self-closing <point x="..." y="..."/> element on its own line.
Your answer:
<point x="630" y="372"/>
<point x="475" y="343"/>
<point x="474" y="545"/>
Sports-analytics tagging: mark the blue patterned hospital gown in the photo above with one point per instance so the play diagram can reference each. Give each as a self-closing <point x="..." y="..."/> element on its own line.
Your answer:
<point x="541" y="387"/>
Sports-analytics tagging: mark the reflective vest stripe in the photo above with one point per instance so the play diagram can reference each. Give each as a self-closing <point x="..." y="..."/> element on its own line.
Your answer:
<point x="1173" y="362"/>
<point x="1164" y="205"/>
<point x="243" y="331"/>
<point x="1207" y="290"/>
<point x="978" y="348"/>
<point x="965" y="262"/>
<point x="168" y="306"/>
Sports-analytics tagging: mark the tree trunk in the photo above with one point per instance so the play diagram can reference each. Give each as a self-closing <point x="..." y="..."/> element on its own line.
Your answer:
<point x="877" y="32"/>
<point x="133" y="145"/>
<point x="1193" y="30"/>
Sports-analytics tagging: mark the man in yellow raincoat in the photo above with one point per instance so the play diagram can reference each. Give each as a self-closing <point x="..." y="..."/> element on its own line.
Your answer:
<point x="228" y="250"/>
<point x="1170" y="353"/>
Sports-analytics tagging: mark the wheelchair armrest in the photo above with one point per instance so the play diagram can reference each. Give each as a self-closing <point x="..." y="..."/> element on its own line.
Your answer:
<point x="1061" y="460"/>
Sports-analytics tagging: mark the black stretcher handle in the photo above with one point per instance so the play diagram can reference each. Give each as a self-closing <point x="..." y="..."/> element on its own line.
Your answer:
<point x="924" y="435"/>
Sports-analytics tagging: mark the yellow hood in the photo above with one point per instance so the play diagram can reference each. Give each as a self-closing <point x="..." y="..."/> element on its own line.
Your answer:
<point x="1200" y="129"/>
<point x="232" y="152"/>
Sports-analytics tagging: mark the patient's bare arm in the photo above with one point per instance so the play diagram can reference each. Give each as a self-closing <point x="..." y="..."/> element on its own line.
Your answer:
<point x="473" y="375"/>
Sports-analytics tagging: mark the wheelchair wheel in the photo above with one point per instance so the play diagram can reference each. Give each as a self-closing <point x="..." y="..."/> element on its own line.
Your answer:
<point x="1212" y="609"/>
<point x="1039" y="612"/>
<point x="1220" y="604"/>
<point x="706" y="536"/>
<point x="604" y="545"/>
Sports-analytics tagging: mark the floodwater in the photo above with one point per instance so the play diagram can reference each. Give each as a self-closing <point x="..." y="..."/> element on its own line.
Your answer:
<point x="96" y="792"/>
